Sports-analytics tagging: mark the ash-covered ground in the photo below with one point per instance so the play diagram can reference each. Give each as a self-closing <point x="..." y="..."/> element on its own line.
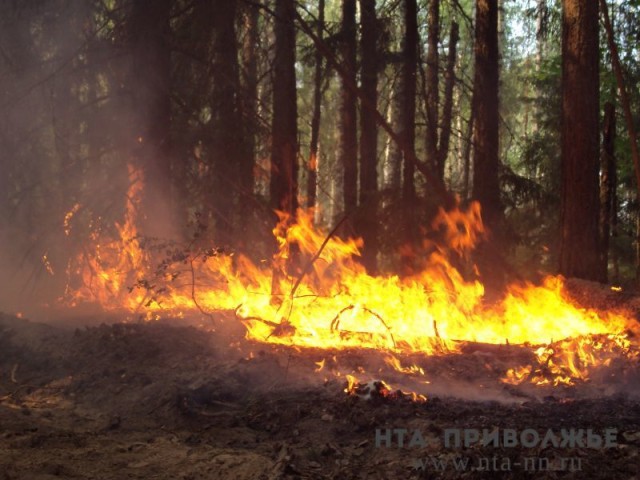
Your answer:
<point x="164" y="400"/>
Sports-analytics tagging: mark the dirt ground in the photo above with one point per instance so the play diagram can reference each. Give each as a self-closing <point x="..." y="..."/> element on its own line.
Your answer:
<point x="166" y="400"/>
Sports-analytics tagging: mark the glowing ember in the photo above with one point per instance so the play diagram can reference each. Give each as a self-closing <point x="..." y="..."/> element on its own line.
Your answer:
<point x="335" y="304"/>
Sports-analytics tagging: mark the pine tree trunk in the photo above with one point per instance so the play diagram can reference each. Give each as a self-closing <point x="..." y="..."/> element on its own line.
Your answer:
<point x="226" y="130"/>
<point x="367" y="227"/>
<point x="393" y="160"/>
<point x="250" y="95"/>
<point x="486" y="162"/>
<point x="626" y="107"/>
<point x="447" y="108"/>
<point x="580" y="242"/>
<point x="312" y="167"/>
<point x="466" y="156"/>
<point x="348" y="147"/>
<point x="284" y="148"/>
<point x="486" y="188"/>
<point x="150" y="79"/>
<point x="407" y="132"/>
<point x="607" y="186"/>
<point x="432" y="74"/>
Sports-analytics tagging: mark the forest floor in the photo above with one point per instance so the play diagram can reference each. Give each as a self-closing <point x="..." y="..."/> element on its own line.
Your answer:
<point x="167" y="400"/>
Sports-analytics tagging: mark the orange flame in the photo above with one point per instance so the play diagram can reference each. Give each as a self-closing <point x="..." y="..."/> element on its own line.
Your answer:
<point x="337" y="305"/>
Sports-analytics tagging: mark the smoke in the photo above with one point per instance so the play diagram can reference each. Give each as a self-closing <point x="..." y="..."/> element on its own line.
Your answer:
<point x="68" y="130"/>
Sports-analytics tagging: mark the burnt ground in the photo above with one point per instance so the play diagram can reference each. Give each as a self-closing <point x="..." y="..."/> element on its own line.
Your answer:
<point x="164" y="400"/>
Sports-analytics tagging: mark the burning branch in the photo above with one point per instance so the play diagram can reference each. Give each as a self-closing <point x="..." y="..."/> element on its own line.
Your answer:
<point x="335" y="323"/>
<point x="193" y="291"/>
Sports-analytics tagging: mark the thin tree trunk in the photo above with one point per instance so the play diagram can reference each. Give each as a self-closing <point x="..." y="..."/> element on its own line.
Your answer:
<point x="432" y="75"/>
<point x="580" y="246"/>
<point x="626" y="107"/>
<point x="348" y="148"/>
<point x="466" y="156"/>
<point x="615" y="259"/>
<point x="248" y="116"/>
<point x="607" y="185"/>
<point x="393" y="178"/>
<point x="150" y="80"/>
<point x="436" y="186"/>
<point x="284" y="131"/>
<point x="408" y="111"/>
<point x="624" y="95"/>
<point x="408" y="125"/>
<point x="226" y="130"/>
<point x="250" y="104"/>
<point x="447" y="108"/>
<point x="312" y="166"/>
<point x="367" y="227"/>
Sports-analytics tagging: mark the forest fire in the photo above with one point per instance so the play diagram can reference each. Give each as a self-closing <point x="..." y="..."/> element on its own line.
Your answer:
<point x="333" y="304"/>
<point x="341" y="239"/>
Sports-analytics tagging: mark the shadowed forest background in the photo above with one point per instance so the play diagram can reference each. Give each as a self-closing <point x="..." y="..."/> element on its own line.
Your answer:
<point x="373" y="112"/>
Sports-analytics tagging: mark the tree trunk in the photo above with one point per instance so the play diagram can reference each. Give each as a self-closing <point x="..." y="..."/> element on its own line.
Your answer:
<point x="150" y="79"/>
<point x="312" y="167"/>
<point x="367" y="227"/>
<point x="447" y="108"/>
<point x="348" y="147"/>
<point x="486" y="188"/>
<point x="433" y="38"/>
<point x="486" y="162"/>
<point x="393" y="161"/>
<point x="250" y="95"/>
<point x="466" y="156"/>
<point x="226" y="129"/>
<point x="607" y="186"/>
<point x="580" y="243"/>
<point x="438" y="189"/>
<point x="626" y="106"/>
<point x="407" y="132"/>
<point x="284" y="130"/>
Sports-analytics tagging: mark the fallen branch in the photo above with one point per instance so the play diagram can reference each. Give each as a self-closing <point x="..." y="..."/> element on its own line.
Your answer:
<point x="279" y="329"/>
<point x="307" y="267"/>
<point x="336" y="321"/>
<point x="193" y="292"/>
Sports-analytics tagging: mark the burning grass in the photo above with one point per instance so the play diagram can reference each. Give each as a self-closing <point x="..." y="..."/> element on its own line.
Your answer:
<point x="331" y="302"/>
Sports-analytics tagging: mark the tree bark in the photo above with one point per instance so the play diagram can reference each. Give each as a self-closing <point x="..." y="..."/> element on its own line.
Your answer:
<point x="607" y="186"/>
<point x="284" y="130"/>
<point x="250" y="95"/>
<point x="447" y="108"/>
<point x="348" y="147"/>
<point x="433" y="38"/>
<point x="486" y="161"/>
<point x="407" y="132"/>
<point x="312" y="167"/>
<point x="486" y="188"/>
<point x="466" y="156"/>
<point x="368" y="135"/>
<point x="226" y="128"/>
<point x="580" y="243"/>
<point x="626" y="107"/>
<point x="150" y="79"/>
<point x="408" y="111"/>
<point x="393" y="167"/>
